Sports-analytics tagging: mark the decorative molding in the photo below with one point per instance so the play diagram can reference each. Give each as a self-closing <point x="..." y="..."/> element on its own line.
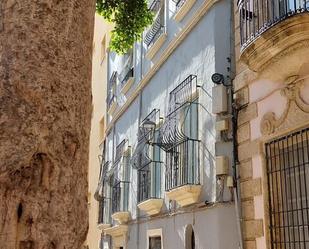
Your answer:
<point x="295" y="105"/>
<point x="183" y="10"/>
<point x="121" y="217"/>
<point x="126" y="87"/>
<point x="151" y="206"/>
<point x="119" y="235"/>
<point x="103" y="226"/>
<point x="185" y="195"/>
<point x="156" y="46"/>
<point x="112" y="108"/>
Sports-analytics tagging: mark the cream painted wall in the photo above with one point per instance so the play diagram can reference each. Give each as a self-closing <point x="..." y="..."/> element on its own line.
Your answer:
<point x="99" y="78"/>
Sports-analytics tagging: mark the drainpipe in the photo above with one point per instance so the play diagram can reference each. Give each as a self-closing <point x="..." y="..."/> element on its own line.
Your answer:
<point x="236" y="177"/>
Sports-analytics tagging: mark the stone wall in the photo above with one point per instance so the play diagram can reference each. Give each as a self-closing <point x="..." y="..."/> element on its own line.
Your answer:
<point x="272" y="100"/>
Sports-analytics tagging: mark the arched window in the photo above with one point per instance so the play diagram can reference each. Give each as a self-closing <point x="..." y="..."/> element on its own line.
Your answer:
<point x="189" y="237"/>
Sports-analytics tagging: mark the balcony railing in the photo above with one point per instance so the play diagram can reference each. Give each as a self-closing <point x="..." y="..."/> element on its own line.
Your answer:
<point x="179" y="3"/>
<point x="128" y="75"/>
<point x="155" y="6"/>
<point x="149" y="181"/>
<point x="257" y="16"/>
<point x="182" y="165"/>
<point x="104" y="211"/>
<point x="120" y="196"/>
<point x="111" y="97"/>
<point x="155" y="30"/>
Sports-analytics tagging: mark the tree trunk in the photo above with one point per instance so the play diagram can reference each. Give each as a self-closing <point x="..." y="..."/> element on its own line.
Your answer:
<point x="45" y="111"/>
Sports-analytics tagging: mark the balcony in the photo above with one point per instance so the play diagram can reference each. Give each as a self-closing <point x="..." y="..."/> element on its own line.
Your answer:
<point x="111" y="99"/>
<point x="118" y="234"/>
<point x="149" y="186"/>
<point x="182" y="8"/>
<point x="120" y="201"/>
<point x="182" y="179"/>
<point x="179" y="139"/>
<point x="104" y="220"/>
<point x="127" y="81"/>
<point x="155" y="36"/>
<point x="269" y="29"/>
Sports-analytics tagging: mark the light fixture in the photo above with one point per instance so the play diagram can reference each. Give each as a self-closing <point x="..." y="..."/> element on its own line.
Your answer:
<point x="148" y="124"/>
<point x="217" y="78"/>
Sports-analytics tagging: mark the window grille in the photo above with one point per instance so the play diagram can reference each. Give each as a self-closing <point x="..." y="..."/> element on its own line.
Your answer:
<point x="119" y="178"/>
<point x="179" y="3"/>
<point x="179" y="136"/>
<point x="156" y="29"/>
<point x="129" y="74"/>
<point x="155" y="6"/>
<point x="111" y="95"/>
<point x="146" y="158"/>
<point x="288" y="184"/>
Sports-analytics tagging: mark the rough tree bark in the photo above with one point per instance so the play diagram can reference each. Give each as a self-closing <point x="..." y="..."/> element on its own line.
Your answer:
<point x="45" y="111"/>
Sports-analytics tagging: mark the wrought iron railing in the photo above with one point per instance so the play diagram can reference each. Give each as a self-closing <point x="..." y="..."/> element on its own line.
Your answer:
<point x="120" y="149"/>
<point x="287" y="161"/>
<point x="181" y="101"/>
<point x="128" y="75"/>
<point x="183" y="165"/>
<point x="257" y="16"/>
<point x="111" y="96"/>
<point x="104" y="211"/>
<point x="155" y="30"/>
<point x="179" y="3"/>
<point x="155" y="5"/>
<point x="149" y="181"/>
<point x="120" y="196"/>
<point x="182" y="94"/>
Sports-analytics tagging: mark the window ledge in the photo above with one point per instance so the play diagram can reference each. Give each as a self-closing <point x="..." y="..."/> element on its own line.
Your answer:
<point x="119" y="234"/>
<point x="185" y="195"/>
<point x="127" y="85"/>
<point x="112" y="108"/>
<point x="184" y="9"/>
<point x="156" y="46"/>
<point x="151" y="206"/>
<point x="121" y="217"/>
<point x="103" y="226"/>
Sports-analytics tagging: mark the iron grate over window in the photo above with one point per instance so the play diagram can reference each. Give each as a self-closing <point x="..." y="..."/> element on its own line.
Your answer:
<point x="288" y="182"/>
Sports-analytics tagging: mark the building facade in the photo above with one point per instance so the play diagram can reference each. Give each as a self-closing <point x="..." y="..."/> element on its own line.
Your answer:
<point x="98" y="123"/>
<point x="272" y="94"/>
<point x="167" y="173"/>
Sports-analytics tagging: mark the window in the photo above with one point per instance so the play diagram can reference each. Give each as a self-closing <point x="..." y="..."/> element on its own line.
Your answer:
<point x="155" y="242"/>
<point x="147" y="158"/>
<point x="154" y="239"/>
<point x="288" y="184"/>
<point x="119" y="179"/>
